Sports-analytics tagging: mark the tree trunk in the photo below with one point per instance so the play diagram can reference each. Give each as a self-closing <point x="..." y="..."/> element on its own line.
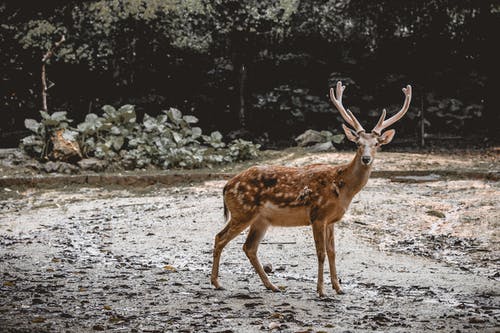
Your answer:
<point x="242" y="81"/>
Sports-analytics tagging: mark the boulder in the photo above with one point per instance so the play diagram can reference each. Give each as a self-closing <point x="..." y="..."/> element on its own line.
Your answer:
<point x="92" y="164"/>
<point x="309" y="137"/>
<point x="64" y="149"/>
<point x="60" y="167"/>
<point x="321" y="147"/>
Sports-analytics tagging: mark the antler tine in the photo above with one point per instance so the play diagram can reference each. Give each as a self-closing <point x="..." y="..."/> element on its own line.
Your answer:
<point x="382" y="124"/>
<point x="379" y="123"/>
<point x="346" y="114"/>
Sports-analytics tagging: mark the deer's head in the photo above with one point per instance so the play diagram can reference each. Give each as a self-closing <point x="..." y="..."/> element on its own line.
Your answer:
<point x="368" y="143"/>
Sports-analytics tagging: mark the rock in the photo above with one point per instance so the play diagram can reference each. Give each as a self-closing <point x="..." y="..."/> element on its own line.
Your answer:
<point x="61" y="167"/>
<point x="65" y="149"/>
<point x="51" y="166"/>
<point x="33" y="164"/>
<point x="92" y="164"/>
<point x="68" y="168"/>
<point x="321" y="147"/>
<point x="309" y="137"/>
<point x="11" y="157"/>
<point x="274" y="325"/>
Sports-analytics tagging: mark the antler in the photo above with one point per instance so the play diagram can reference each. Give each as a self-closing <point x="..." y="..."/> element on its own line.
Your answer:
<point x="346" y="114"/>
<point x="382" y="123"/>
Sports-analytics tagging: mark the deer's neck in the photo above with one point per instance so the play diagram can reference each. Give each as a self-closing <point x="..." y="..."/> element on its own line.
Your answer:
<point x="357" y="174"/>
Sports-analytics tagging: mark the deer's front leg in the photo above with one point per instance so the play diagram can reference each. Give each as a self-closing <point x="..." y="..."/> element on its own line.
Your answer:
<point x="319" y="240"/>
<point x="330" y="250"/>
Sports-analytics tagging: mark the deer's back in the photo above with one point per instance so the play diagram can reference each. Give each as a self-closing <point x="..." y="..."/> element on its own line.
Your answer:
<point x="288" y="196"/>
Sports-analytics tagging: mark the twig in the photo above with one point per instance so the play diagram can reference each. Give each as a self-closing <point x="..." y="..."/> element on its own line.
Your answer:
<point x="45" y="58"/>
<point x="422" y="121"/>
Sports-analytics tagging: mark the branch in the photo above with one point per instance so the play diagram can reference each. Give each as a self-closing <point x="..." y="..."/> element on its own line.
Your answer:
<point x="45" y="58"/>
<point x="51" y="51"/>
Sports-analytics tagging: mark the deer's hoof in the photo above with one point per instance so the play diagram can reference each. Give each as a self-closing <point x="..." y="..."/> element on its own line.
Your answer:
<point x="273" y="288"/>
<point x="340" y="292"/>
<point x="216" y="285"/>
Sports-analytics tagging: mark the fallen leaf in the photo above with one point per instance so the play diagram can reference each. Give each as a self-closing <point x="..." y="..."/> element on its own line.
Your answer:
<point x="169" y="268"/>
<point x="9" y="284"/>
<point x="37" y="320"/>
<point x="436" y="213"/>
<point x="106" y="307"/>
<point x="277" y="315"/>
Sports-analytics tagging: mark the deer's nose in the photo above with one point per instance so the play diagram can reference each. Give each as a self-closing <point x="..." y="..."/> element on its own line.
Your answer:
<point x="366" y="159"/>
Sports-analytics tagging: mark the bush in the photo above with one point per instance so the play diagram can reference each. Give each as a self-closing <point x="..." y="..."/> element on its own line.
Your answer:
<point x="449" y="114"/>
<point x="289" y="111"/>
<point x="169" y="140"/>
<point x="38" y="144"/>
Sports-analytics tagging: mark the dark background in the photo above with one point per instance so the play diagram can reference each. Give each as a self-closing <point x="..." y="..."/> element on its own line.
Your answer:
<point x="258" y="69"/>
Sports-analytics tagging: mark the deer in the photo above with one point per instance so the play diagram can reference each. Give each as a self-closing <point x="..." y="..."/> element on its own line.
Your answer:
<point x="316" y="195"/>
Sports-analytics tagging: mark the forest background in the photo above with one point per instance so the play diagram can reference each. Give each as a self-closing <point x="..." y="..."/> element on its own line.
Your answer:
<point x="258" y="70"/>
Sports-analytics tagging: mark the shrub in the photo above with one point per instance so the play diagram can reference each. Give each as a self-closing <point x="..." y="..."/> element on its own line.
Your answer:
<point x="169" y="140"/>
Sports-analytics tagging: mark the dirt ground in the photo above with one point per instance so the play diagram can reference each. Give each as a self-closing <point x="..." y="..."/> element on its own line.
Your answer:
<point x="412" y="257"/>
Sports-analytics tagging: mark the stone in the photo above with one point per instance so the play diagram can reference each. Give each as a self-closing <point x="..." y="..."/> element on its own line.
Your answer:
<point x="64" y="149"/>
<point x="321" y="147"/>
<point x="92" y="164"/>
<point x="60" y="167"/>
<point x="309" y="137"/>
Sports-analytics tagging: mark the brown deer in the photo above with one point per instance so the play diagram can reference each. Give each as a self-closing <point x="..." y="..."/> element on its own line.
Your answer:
<point x="317" y="195"/>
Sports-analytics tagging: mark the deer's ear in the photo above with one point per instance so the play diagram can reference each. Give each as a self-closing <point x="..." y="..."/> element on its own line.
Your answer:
<point x="386" y="137"/>
<point x="350" y="134"/>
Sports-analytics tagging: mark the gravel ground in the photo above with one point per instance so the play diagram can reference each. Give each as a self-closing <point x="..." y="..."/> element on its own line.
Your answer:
<point x="412" y="257"/>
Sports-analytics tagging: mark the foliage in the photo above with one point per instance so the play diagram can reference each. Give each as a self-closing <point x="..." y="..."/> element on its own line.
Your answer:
<point x="37" y="144"/>
<point x="169" y="140"/>
<point x="193" y="55"/>
<point x="449" y="114"/>
<point x="294" y="108"/>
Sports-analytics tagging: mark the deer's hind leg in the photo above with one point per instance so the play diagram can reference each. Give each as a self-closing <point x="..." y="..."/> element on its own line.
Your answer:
<point x="231" y="230"/>
<point x="255" y="235"/>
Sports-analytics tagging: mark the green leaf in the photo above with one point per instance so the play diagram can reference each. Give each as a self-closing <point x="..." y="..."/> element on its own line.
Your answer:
<point x="70" y="135"/>
<point x="32" y="125"/>
<point x="174" y="115"/>
<point x="116" y="142"/>
<point x="190" y="119"/>
<point x="45" y="115"/>
<point x="216" y="136"/>
<point x="91" y="124"/>
<point x="115" y="130"/>
<point x="196" y="132"/>
<point x="59" y="116"/>
<point x="127" y="113"/>
<point x="109" y="110"/>
<point x="177" y="137"/>
<point x="31" y="140"/>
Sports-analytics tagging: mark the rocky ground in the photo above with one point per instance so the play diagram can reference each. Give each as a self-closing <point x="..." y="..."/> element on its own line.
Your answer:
<point x="412" y="257"/>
